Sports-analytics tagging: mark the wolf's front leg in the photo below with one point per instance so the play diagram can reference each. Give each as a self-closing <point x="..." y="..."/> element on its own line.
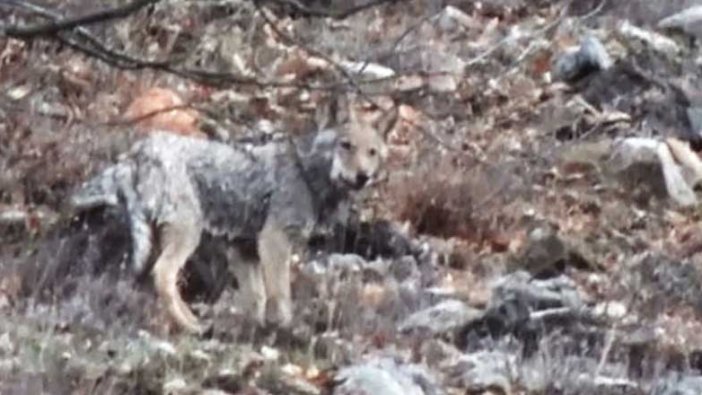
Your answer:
<point x="275" y="248"/>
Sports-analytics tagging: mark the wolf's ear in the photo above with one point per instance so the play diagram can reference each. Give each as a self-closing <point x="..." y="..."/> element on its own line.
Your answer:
<point x="354" y="116"/>
<point x="327" y="114"/>
<point x="324" y="142"/>
<point x="387" y="120"/>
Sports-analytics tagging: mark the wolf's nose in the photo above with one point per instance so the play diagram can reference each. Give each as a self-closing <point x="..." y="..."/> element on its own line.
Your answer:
<point x="361" y="179"/>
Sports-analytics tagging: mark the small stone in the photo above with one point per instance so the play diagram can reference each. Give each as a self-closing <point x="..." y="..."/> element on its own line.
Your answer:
<point x="174" y="386"/>
<point x="436" y="351"/>
<point x="18" y="92"/>
<point x="370" y="70"/>
<point x="442" y="83"/>
<point x="577" y="62"/>
<point x="385" y="376"/>
<point x="679" y="386"/>
<point x="441" y="318"/>
<point x="200" y="355"/>
<point x="612" y="310"/>
<point x="483" y="371"/>
<point x="291" y="369"/>
<point x="451" y="18"/>
<point x="165" y="347"/>
<point x="214" y="392"/>
<point x="346" y="263"/>
<point x="554" y="292"/>
<point x="649" y="162"/>
<point x="688" y="20"/>
<point x="269" y="353"/>
<point x="593" y="51"/>
<point x="125" y="368"/>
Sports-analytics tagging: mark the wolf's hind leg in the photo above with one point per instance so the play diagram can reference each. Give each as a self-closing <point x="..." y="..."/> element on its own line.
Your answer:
<point x="142" y="240"/>
<point x="250" y="278"/>
<point x="178" y="242"/>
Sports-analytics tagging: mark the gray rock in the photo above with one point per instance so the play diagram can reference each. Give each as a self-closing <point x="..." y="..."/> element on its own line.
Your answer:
<point x="688" y="20"/>
<point x="593" y="51"/>
<point x="523" y="307"/>
<point x="385" y="376"/>
<point x="648" y="162"/>
<point x="548" y="254"/>
<point x="537" y="294"/>
<point x="175" y="386"/>
<point x="484" y="370"/>
<point x="568" y="66"/>
<point x="575" y="63"/>
<point x="690" y="385"/>
<point x="368" y="380"/>
<point x="345" y="263"/>
<point x="444" y="317"/>
<point x="658" y="42"/>
<point x="437" y="351"/>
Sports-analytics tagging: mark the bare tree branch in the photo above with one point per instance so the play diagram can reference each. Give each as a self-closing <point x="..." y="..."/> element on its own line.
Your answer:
<point x="82" y="40"/>
<point x="100" y="50"/>
<point x="72" y="22"/>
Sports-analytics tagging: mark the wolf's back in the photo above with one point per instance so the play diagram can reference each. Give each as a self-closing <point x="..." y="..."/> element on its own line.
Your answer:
<point x="104" y="188"/>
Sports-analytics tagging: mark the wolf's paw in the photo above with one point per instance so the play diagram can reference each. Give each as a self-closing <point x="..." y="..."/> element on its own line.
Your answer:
<point x="279" y="312"/>
<point x="193" y="327"/>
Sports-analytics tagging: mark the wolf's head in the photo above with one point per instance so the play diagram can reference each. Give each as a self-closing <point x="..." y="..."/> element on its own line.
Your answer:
<point x="358" y="151"/>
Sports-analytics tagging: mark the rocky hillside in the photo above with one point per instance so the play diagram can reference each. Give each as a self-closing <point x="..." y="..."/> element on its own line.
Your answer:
<point x="537" y="232"/>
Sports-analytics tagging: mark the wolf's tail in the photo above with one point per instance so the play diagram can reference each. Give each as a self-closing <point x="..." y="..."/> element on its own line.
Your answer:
<point x="103" y="189"/>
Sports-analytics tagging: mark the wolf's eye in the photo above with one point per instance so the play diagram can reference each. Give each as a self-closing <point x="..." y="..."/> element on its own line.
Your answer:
<point x="372" y="152"/>
<point x="346" y="145"/>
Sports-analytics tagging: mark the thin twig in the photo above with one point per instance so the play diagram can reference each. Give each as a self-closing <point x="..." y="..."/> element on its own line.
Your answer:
<point x="594" y="11"/>
<point x="396" y="44"/>
<point x="316" y="12"/>
<point x="150" y="114"/>
<point x="314" y="52"/>
<point x="431" y="135"/>
<point x="612" y="335"/>
<point x="540" y="32"/>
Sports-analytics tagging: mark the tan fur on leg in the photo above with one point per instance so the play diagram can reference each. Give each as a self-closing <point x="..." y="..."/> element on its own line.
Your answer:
<point x="274" y="249"/>
<point x="178" y="242"/>
<point x="250" y="278"/>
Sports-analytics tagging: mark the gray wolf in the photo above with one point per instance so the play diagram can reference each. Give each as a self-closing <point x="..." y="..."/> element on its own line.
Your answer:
<point x="273" y="196"/>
